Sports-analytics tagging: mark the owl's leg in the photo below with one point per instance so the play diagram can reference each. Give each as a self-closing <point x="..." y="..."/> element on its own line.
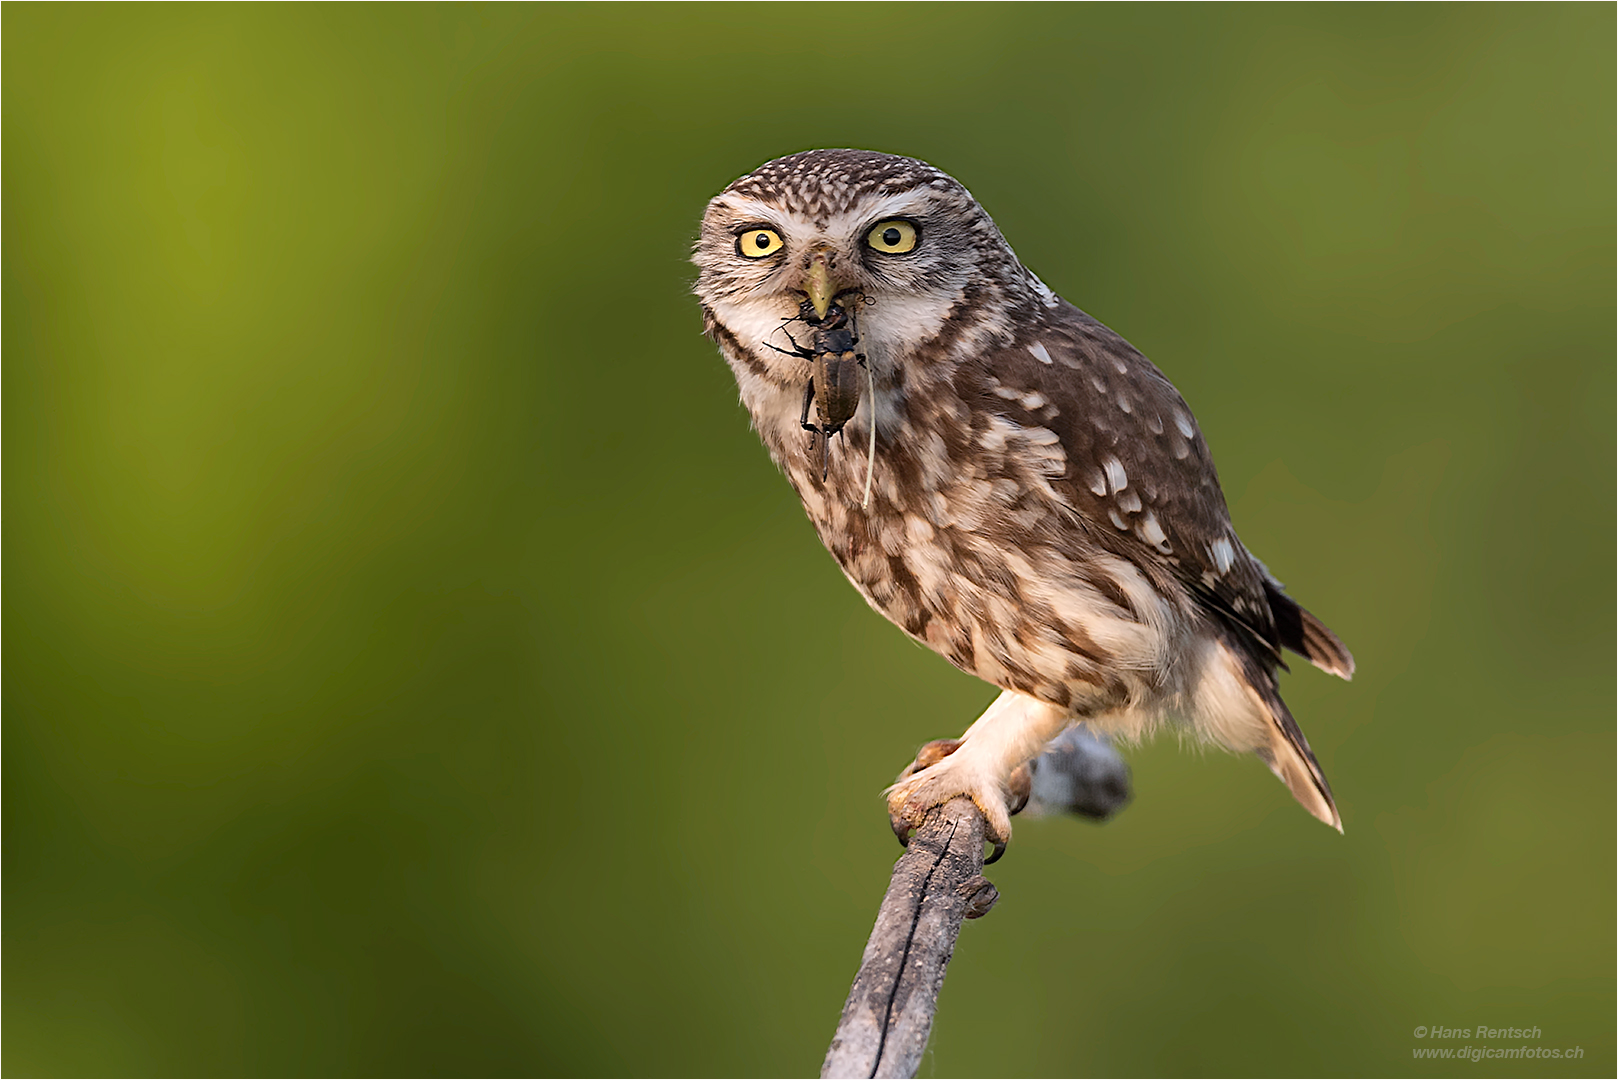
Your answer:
<point x="982" y="765"/>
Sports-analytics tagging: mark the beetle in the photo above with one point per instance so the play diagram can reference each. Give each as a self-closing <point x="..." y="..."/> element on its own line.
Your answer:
<point x="834" y="382"/>
<point x="834" y="385"/>
<point x="834" y="373"/>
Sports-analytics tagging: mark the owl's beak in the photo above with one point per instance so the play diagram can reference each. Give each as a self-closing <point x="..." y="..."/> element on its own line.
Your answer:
<point x="818" y="283"/>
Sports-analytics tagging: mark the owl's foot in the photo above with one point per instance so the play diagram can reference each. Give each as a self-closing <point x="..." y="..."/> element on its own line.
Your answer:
<point x="938" y="775"/>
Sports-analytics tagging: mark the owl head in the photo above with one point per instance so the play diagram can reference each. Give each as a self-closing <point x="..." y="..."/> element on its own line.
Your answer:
<point x="904" y="240"/>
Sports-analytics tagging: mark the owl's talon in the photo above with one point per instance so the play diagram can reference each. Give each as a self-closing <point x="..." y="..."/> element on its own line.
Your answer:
<point x="1019" y="788"/>
<point x="938" y="775"/>
<point x="999" y="850"/>
<point x="929" y="755"/>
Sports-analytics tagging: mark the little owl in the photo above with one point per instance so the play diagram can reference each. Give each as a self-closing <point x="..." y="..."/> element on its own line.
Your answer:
<point x="1000" y="475"/>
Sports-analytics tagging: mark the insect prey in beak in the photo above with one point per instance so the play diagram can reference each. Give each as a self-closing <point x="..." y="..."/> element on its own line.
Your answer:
<point x="834" y="385"/>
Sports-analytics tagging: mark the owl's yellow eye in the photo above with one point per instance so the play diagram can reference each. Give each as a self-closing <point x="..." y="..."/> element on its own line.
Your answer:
<point x="892" y="237"/>
<point x="757" y="243"/>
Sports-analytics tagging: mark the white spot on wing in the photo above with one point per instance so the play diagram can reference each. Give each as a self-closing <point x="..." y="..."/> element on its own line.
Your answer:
<point x="1123" y="402"/>
<point x="1129" y="502"/>
<point x="1033" y="401"/>
<point x="1098" y="483"/>
<point x="1115" y="473"/>
<point x="1039" y="353"/>
<point x="1183" y="422"/>
<point x="1044" y="292"/>
<point x="1152" y="532"/>
<point x="1223" y="554"/>
<point x="1122" y="525"/>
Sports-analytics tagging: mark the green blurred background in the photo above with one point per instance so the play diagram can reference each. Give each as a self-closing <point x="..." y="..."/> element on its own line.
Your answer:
<point x="414" y="664"/>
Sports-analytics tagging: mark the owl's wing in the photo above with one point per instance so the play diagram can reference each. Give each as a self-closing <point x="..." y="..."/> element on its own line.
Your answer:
<point x="1140" y="475"/>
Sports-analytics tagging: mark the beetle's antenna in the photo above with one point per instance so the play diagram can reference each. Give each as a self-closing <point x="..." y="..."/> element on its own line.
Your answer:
<point x="797" y="350"/>
<point x="870" y="453"/>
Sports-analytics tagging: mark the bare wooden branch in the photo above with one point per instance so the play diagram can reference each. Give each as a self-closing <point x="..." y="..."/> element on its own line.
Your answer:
<point x="936" y="884"/>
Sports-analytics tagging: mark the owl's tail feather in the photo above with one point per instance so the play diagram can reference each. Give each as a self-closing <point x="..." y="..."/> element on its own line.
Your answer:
<point x="1237" y="704"/>
<point x="1289" y="757"/>
<point x="1308" y="636"/>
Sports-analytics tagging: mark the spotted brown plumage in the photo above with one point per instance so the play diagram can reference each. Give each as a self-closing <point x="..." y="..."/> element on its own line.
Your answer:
<point x="1043" y="510"/>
